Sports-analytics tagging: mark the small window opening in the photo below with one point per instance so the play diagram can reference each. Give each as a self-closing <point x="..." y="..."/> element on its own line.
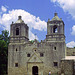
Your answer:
<point x="16" y="49"/>
<point x="28" y="55"/>
<point x="54" y="48"/>
<point x="17" y="31"/>
<point x="55" y="29"/>
<point x="74" y="52"/>
<point x="55" y="63"/>
<point x="41" y="54"/>
<point x="16" y="64"/>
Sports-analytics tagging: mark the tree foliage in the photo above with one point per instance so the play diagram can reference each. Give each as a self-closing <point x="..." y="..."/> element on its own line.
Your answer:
<point x="5" y="36"/>
<point x="4" y="40"/>
<point x="32" y="41"/>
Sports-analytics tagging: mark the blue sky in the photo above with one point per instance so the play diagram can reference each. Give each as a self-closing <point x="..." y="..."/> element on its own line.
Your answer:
<point x="35" y="13"/>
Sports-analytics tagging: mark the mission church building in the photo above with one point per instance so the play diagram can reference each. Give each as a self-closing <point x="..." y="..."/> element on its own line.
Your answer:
<point x="36" y="58"/>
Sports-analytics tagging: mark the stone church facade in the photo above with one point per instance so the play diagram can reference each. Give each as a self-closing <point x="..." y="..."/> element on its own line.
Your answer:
<point x="36" y="58"/>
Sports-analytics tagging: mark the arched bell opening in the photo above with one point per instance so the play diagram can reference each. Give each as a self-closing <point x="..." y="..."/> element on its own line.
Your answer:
<point x="55" y="30"/>
<point x="17" y="31"/>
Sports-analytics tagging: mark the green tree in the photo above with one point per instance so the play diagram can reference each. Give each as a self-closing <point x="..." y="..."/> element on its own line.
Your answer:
<point x="3" y="57"/>
<point x="32" y="41"/>
<point x="4" y="40"/>
<point x="5" y="36"/>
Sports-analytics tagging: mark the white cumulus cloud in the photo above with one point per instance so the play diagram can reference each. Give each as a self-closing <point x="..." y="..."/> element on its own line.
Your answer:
<point x="32" y="36"/>
<point x="71" y="44"/>
<point x="31" y="20"/>
<point x="73" y="30"/>
<point x="67" y="6"/>
<point x="4" y="9"/>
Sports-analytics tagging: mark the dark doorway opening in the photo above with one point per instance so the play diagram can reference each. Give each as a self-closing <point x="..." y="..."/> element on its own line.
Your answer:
<point x="34" y="70"/>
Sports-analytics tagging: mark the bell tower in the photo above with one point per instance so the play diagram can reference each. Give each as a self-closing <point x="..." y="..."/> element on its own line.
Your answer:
<point x="55" y="29"/>
<point x="18" y="38"/>
<point x="19" y="31"/>
<point x="56" y="39"/>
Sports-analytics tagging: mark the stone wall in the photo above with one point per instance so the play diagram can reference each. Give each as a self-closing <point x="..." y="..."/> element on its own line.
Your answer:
<point x="70" y="51"/>
<point x="67" y="67"/>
